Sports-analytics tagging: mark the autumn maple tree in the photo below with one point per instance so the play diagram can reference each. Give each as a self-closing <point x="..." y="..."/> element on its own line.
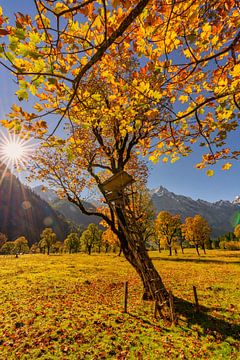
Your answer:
<point x="131" y="78"/>
<point x="168" y="228"/>
<point x="237" y="231"/>
<point x="47" y="239"/>
<point x="196" y="231"/>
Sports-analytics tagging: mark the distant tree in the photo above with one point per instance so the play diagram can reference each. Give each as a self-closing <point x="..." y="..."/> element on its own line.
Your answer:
<point x="3" y="239"/>
<point x="72" y="243"/>
<point x="47" y="239"/>
<point x="98" y="244"/>
<point x="8" y="248"/>
<point x="90" y="237"/>
<point x="21" y="245"/>
<point x="237" y="231"/>
<point x="196" y="231"/>
<point x="168" y="228"/>
<point x="109" y="239"/>
<point x="34" y="249"/>
<point x="57" y="247"/>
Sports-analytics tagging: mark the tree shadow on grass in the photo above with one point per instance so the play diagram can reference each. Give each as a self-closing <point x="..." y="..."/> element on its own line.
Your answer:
<point x="199" y="260"/>
<point x="210" y="324"/>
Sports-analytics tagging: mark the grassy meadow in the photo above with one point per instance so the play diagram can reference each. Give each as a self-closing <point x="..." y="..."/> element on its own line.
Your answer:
<point x="71" y="307"/>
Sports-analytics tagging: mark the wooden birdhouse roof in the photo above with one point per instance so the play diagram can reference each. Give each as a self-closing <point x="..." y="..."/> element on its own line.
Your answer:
<point x="118" y="182"/>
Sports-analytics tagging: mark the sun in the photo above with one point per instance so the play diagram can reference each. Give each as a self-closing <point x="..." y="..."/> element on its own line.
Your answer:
<point x="14" y="151"/>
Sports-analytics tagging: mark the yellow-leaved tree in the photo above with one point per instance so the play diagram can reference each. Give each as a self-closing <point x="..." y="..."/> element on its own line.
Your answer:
<point x="168" y="228"/>
<point x="118" y="72"/>
<point x="196" y="231"/>
<point x="237" y="231"/>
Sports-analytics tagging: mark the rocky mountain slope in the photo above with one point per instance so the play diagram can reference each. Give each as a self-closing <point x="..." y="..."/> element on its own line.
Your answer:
<point x="68" y="210"/>
<point x="22" y="212"/>
<point x="221" y="215"/>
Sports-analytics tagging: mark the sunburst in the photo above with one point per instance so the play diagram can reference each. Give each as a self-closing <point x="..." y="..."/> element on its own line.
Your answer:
<point x="15" y="151"/>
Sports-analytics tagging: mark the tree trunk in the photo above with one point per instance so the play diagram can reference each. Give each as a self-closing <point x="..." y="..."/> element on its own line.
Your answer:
<point x="182" y="248"/>
<point x="48" y="250"/>
<point x="196" y="246"/>
<point x="170" y="250"/>
<point x="120" y="251"/>
<point x="159" y="247"/>
<point x="89" y="250"/>
<point x="203" y="247"/>
<point x="135" y="252"/>
<point x="138" y="257"/>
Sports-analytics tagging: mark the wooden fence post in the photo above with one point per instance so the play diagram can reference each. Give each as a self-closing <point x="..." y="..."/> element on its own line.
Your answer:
<point x="196" y="298"/>
<point x="155" y="309"/>
<point x="125" y="296"/>
<point x="172" y="310"/>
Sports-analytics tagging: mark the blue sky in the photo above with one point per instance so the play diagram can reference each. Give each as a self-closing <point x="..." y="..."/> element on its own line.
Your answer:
<point x="181" y="177"/>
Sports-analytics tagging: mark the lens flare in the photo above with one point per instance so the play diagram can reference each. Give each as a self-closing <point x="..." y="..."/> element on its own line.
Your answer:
<point x="14" y="151"/>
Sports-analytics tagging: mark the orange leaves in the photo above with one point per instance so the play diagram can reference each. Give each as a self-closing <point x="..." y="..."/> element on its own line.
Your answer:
<point x="226" y="166"/>
<point x="196" y="230"/>
<point x="4" y="32"/>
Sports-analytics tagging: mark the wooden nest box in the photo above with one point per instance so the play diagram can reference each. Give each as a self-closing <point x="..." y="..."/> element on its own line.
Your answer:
<point x="115" y="185"/>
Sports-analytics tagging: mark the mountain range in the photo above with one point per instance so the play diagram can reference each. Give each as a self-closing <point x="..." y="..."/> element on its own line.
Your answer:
<point x="70" y="211"/>
<point x="222" y="215"/>
<point x="23" y="212"/>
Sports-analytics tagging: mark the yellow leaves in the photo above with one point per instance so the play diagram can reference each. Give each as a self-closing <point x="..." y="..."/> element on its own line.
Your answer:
<point x="187" y="53"/>
<point x="84" y="60"/>
<point x="210" y="172"/>
<point x="215" y="40"/>
<point x="223" y="81"/>
<point x="206" y="31"/>
<point x="59" y="7"/>
<point x="171" y="38"/>
<point x="174" y="159"/>
<point x="42" y="21"/>
<point x="226" y="166"/>
<point x="183" y="98"/>
<point x="165" y="160"/>
<point x="154" y="158"/>
<point x="38" y="107"/>
<point x="144" y="86"/>
<point x="151" y="114"/>
<point x="235" y="72"/>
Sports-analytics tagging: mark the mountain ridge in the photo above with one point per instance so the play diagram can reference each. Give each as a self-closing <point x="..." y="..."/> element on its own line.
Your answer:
<point x="221" y="215"/>
<point x="24" y="213"/>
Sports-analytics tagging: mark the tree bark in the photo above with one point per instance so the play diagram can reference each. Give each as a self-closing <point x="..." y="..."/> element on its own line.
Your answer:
<point x="170" y="250"/>
<point x="134" y="250"/>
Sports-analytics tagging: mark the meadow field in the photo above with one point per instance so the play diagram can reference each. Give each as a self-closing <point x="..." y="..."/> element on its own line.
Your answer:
<point x="71" y="307"/>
